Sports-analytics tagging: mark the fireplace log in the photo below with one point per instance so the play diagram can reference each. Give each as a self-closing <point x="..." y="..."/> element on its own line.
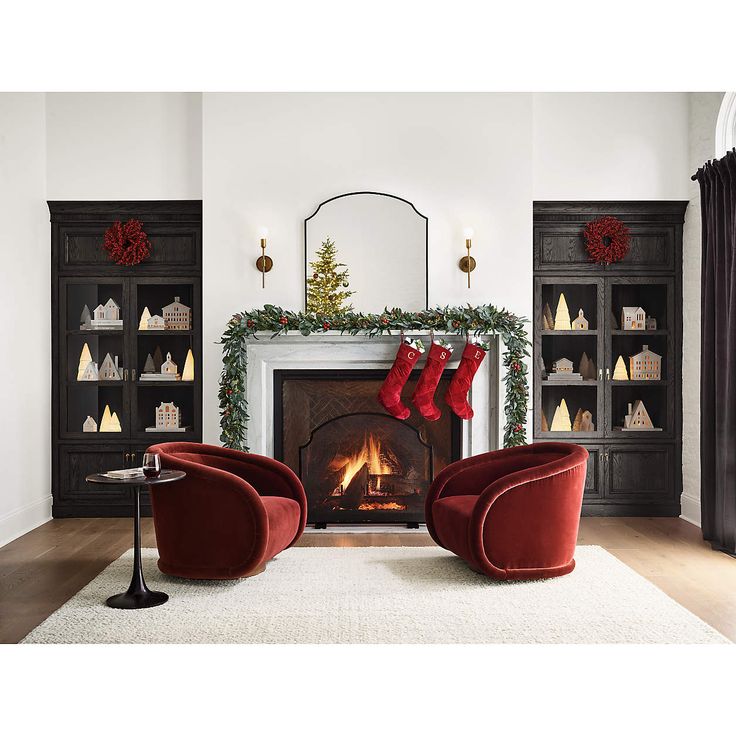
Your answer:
<point x="357" y="489"/>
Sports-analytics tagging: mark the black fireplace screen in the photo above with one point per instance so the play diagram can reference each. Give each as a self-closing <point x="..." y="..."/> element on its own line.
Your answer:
<point x="357" y="463"/>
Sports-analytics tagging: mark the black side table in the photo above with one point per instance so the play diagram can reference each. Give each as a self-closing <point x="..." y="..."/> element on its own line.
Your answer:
<point x="138" y="595"/>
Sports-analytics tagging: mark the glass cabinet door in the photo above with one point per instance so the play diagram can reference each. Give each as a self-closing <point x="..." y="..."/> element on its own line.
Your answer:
<point x="640" y="375"/>
<point x="93" y="389"/>
<point x="165" y="358"/>
<point x="568" y="347"/>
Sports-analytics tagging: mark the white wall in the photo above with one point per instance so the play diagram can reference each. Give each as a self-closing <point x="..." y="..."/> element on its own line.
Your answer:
<point x="611" y="145"/>
<point x="704" y="108"/>
<point x="269" y="159"/>
<point x="130" y="145"/>
<point x="25" y="306"/>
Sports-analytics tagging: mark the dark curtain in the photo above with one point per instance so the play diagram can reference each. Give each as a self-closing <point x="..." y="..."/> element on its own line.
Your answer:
<point x="717" y="181"/>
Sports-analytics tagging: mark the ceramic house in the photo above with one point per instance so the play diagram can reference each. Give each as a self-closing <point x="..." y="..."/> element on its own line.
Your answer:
<point x="651" y="323"/>
<point x="586" y="422"/>
<point x="168" y="417"/>
<point x="580" y="323"/>
<point x="109" y="370"/>
<point x="638" y="417"/>
<point x="562" y="365"/>
<point x="90" y="373"/>
<point x="646" y="365"/>
<point x="156" y="322"/>
<point x="177" y="316"/>
<point x="90" y="425"/>
<point x="633" y="318"/>
<point x="169" y="369"/>
<point x="106" y="316"/>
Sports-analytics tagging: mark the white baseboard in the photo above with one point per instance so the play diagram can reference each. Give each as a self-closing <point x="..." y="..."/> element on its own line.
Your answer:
<point x="690" y="509"/>
<point x="21" y="521"/>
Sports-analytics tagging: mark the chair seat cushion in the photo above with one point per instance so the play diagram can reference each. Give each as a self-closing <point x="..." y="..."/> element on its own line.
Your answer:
<point x="283" y="523"/>
<point x="451" y="516"/>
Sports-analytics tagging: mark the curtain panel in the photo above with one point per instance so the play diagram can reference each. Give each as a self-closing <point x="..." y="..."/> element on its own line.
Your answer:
<point x="717" y="180"/>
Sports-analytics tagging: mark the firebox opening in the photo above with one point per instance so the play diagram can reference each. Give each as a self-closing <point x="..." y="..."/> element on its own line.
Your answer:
<point x="357" y="463"/>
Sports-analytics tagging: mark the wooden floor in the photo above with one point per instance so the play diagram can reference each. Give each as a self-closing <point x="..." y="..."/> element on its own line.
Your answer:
<point x="43" y="569"/>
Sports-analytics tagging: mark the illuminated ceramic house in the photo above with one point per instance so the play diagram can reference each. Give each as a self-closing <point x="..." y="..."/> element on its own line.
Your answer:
<point x="90" y="373"/>
<point x="156" y="322"/>
<point x="109" y="370"/>
<point x="107" y="316"/>
<point x="646" y="365"/>
<point x="168" y="418"/>
<point x="177" y="316"/>
<point x="90" y="425"/>
<point x="169" y="369"/>
<point x="638" y="419"/>
<point x="633" y="318"/>
<point x="580" y="323"/>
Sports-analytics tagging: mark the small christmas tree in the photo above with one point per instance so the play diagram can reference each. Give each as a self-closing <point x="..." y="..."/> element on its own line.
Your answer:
<point x="562" y="315"/>
<point x="327" y="286"/>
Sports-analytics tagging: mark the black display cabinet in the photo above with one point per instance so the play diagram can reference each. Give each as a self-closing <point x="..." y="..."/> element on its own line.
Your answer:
<point x="635" y="472"/>
<point x="83" y="275"/>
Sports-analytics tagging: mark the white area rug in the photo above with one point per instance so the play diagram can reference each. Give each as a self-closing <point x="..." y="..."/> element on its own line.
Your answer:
<point x="374" y="595"/>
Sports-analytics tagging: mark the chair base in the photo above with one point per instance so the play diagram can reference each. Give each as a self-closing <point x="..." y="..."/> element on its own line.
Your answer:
<point x="530" y="574"/>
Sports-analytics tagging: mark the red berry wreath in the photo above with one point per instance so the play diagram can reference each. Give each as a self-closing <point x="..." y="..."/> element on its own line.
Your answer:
<point x="127" y="244"/>
<point x="607" y="239"/>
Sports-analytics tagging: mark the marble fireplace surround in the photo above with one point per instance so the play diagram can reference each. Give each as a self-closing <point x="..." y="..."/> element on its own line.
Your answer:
<point x="333" y="351"/>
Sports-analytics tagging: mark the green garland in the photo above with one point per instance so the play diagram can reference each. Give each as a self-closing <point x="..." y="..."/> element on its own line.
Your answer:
<point x="481" y="320"/>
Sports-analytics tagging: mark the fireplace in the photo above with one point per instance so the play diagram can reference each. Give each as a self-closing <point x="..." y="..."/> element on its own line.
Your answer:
<point x="357" y="463"/>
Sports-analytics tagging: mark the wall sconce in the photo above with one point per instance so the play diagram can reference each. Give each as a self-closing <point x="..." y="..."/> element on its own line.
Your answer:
<point x="264" y="263"/>
<point x="467" y="263"/>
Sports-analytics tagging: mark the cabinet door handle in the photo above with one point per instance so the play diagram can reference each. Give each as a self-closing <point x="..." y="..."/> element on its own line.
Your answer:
<point x="132" y="374"/>
<point x="127" y="458"/>
<point x="608" y="374"/>
<point x="132" y="457"/>
<point x="125" y="374"/>
<point x="600" y="374"/>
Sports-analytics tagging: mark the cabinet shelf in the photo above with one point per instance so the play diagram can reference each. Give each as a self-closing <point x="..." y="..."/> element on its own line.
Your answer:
<point x="588" y="383"/>
<point x="635" y="333"/>
<point x="567" y="333"/>
<point x="619" y="384"/>
<point x="158" y="333"/>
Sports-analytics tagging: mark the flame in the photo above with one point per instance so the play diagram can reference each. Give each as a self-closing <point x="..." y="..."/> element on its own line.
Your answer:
<point x="378" y="506"/>
<point x="369" y="453"/>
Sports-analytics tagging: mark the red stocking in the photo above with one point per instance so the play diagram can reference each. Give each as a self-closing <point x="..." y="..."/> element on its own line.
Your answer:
<point x="457" y="393"/>
<point x="390" y="393"/>
<point x="423" y="396"/>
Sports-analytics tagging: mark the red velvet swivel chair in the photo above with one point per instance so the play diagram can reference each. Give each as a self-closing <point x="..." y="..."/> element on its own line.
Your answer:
<point x="512" y="514"/>
<point x="231" y="514"/>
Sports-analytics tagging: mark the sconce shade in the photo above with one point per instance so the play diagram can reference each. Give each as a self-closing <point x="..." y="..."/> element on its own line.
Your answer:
<point x="188" y="372"/>
<point x="468" y="233"/>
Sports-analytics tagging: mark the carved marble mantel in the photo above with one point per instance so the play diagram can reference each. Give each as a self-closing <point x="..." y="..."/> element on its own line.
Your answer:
<point x="331" y="350"/>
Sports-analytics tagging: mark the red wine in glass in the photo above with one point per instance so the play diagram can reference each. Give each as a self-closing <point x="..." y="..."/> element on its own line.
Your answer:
<point x="151" y="464"/>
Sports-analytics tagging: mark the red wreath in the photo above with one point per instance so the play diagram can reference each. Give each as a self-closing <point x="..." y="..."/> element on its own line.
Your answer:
<point x="607" y="239"/>
<point x="127" y="244"/>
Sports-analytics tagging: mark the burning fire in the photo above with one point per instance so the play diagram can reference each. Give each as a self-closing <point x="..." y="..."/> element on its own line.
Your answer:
<point x="378" y="506"/>
<point x="371" y="454"/>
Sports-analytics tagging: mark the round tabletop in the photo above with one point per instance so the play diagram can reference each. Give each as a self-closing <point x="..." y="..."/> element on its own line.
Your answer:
<point x="166" y="476"/>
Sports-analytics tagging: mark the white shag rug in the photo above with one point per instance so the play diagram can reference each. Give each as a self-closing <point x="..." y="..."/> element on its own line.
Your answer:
<point x="381" y="595"/>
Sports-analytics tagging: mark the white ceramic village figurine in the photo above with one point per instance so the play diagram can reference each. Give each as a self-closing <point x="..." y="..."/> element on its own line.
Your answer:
<point x="646" y="365"/>
<point x="580" y="323"/>
<point x="633" y="318"/>
<point x="168" y="418"/>
<point x="107" y="316"/>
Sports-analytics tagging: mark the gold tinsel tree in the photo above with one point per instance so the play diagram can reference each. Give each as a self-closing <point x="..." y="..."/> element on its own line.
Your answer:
<point x="327" y="286"/>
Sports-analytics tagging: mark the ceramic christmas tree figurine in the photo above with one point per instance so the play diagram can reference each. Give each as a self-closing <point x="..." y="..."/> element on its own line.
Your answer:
<point x="619" y="371"/>
<point x="84" y="359"/>
<point x="562" y="315"/>
<point x="145" y="316"/>
<point x="548" y="322"/>
<point x="561" y="419"/>
<point x="327" y="287"/>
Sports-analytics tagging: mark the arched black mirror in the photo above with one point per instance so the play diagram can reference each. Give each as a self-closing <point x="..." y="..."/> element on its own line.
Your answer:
<point x="381" y="242"/>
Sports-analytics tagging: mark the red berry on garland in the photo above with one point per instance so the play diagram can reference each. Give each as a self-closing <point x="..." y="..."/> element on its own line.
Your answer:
<point x="455" y="324"/>
<point x="384" y="321"/>
<point x="284" y="320"/>
<point x="518" y="428"/>
<point x="251" y="323"/>
<point x="325" y="325"/>
<point x="229" y="391"/>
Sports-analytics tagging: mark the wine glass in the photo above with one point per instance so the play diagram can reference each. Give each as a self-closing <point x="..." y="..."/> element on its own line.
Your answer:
<point x="151" y="464"/>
